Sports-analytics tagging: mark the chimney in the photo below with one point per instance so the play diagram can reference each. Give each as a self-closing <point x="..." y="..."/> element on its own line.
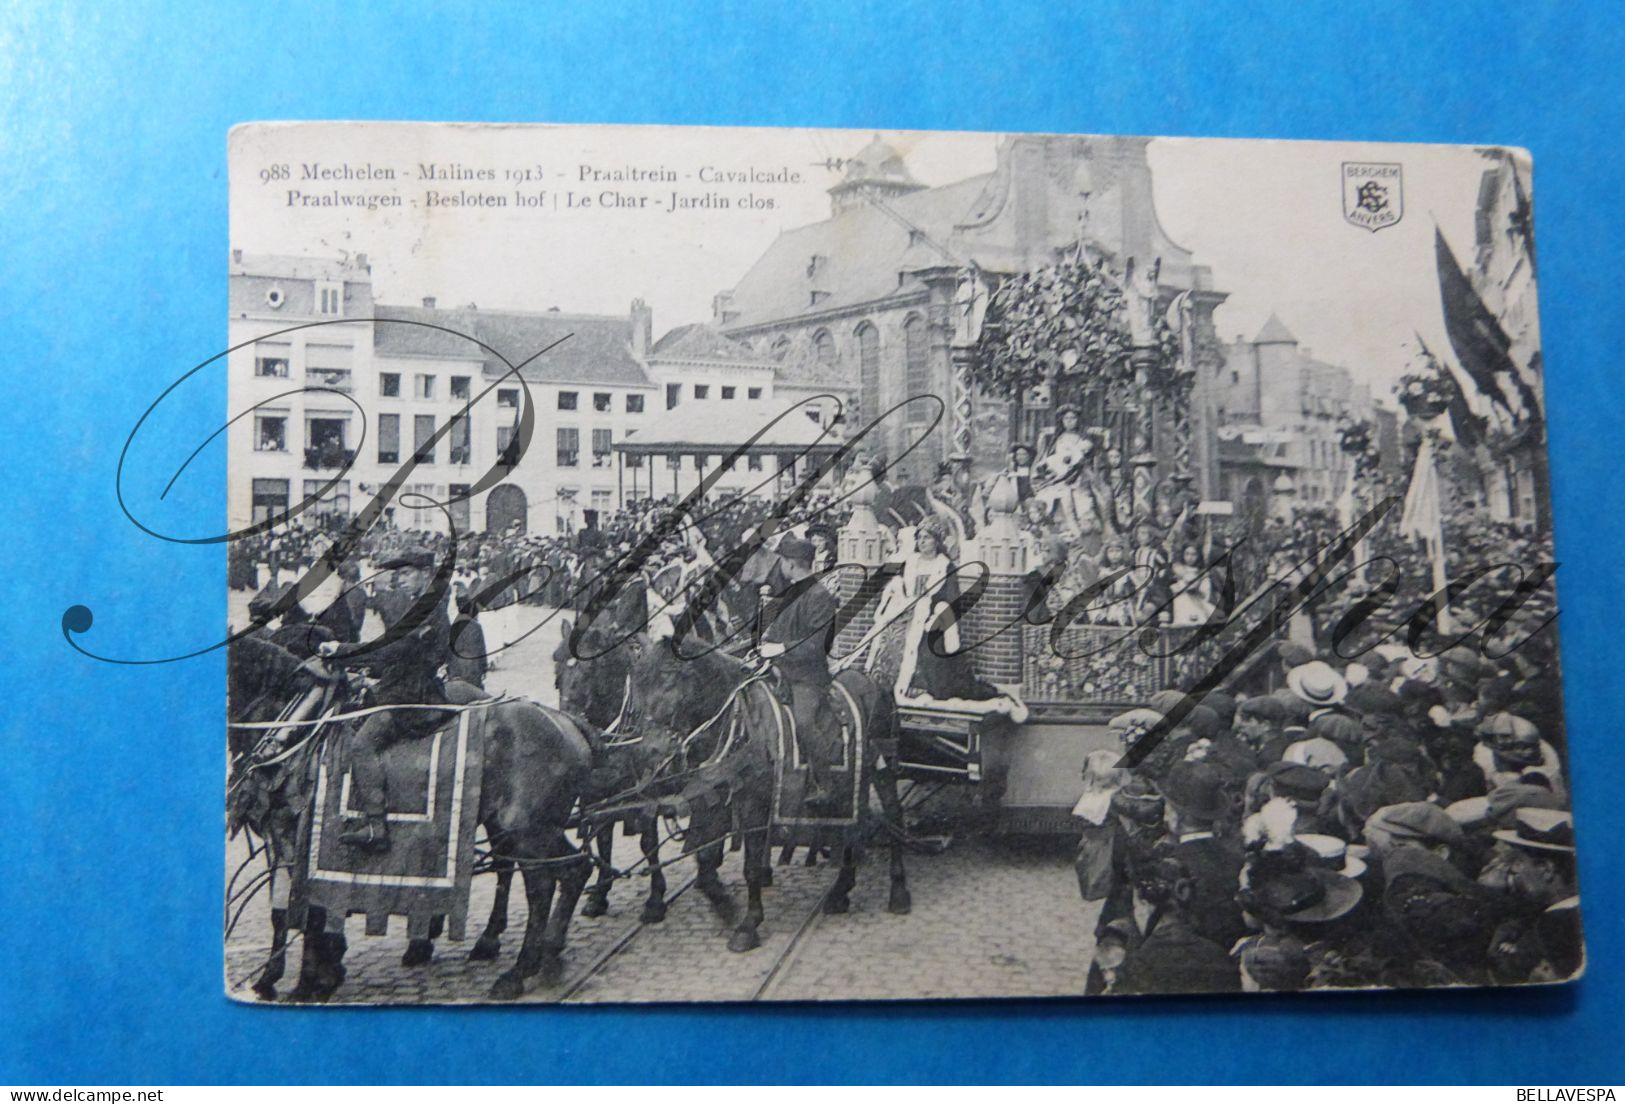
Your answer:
<point x="643" y="323"/>
<point x="236" y="256"/>
<point x="428" y="302"/>
<point x="722" y="308"/>
<point x="361" y="262"/>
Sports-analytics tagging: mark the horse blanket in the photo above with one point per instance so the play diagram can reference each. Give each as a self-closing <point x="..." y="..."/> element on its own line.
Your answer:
<point x="433" y="788"/>
<point x="845" y="778"/>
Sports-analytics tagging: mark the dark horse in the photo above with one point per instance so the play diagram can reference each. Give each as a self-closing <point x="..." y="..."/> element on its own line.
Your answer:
<point x="722" y="772"/>
<point x="536" y="761"/>
<point x="264" y="683"/>
<point x="595" y="688"/>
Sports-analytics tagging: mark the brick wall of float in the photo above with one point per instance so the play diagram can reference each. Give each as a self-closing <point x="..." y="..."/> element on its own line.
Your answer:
<point x="863" y="586"/>
<point x="992" y="631"/>
<point x="991" y="628"/>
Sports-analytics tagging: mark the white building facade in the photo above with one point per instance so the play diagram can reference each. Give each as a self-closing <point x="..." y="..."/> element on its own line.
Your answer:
<point x="371" y="386"/>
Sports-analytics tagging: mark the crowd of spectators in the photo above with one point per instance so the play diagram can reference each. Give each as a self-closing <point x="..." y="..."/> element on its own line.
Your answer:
<point x="1395" y="821"/>
<point x="498" y="570"/>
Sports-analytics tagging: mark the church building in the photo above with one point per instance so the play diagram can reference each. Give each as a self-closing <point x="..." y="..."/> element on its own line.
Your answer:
<point x="890" y="290"/>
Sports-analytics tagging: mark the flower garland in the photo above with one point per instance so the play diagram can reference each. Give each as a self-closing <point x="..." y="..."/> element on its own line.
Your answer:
<point x="1424" y="394"/>
<point x="1355" y="438"/>
<point x="1065" y="325"/>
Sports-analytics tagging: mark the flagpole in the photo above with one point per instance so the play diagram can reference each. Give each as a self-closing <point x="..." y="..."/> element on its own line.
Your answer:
<point x="1442" y="619"/>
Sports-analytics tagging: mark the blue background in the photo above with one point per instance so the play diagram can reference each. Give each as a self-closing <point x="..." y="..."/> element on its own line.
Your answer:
<point x="113" y="124"/>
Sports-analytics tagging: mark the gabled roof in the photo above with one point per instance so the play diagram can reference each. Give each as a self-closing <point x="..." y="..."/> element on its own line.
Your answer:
<point x="1275" y="332"/>
<point x="810" y="373"/>
<point x="865" y="247"/>
<point x="703" y="341"/>
<point x="590" y="348"/>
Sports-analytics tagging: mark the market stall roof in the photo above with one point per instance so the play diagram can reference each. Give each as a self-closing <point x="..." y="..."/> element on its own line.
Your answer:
<point x="719" y="427"/>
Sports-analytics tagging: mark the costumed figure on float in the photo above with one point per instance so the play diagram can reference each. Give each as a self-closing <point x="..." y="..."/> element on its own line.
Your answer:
<point x="917" y="651"/>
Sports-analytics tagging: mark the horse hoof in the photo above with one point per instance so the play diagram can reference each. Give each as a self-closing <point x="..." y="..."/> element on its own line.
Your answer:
<point x="485" y="949"/>
<point x="550" y="972"/>
<point x="901" y="903"/>
<point x="507" y="987"/>
<point x="265" y="990"/>
<point x="722" y="903"/>
<point x="418" y="953"/>
<point x="767" y="877"/>
<point x="596" y="906"/>
<point x="653" y="912"/>
<point x="744" y="939"/>
<point x="317" y="992"/>
<point x="836" y="906"/>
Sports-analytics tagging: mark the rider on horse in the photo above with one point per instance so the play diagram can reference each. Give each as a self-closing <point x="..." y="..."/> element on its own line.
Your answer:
<point x="408" y="672"/>
<point x="797" y="641"/>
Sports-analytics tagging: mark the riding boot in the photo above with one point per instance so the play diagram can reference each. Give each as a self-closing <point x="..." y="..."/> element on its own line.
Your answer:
<point x="371" y="833"/>
<point x="814" y="721"/>
<point x="820" y="796"/>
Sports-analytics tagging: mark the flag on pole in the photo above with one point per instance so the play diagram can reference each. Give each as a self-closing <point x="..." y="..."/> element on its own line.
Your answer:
<point x="1465" y="426"/>
<point x="1423" y="517"/>
<point x="1481" y="345"/>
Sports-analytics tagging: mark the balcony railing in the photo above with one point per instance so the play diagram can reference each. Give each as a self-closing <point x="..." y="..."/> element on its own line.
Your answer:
<point x="328" y="456"/>
<point x="333" y="379"/>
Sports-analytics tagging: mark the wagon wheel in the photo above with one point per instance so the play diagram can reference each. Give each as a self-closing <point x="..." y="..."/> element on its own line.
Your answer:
<point x="915" y="798"/>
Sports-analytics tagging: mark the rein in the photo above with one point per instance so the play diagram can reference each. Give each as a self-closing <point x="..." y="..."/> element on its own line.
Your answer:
<point x="626" y="700"/>
<point x="449" y="707"/>
<point x="641" y="788"/>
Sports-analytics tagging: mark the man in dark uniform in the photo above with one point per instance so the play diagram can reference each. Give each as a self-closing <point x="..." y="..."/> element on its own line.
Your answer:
<point x="344" y="617"/>
<point x="797" y="641"/>
<point x="468" y="661"/>
<point x="1199" y="802"/>
<point x="408" y="672"/>
<point x="293" y="629"/>
<point x="388" y="600"/>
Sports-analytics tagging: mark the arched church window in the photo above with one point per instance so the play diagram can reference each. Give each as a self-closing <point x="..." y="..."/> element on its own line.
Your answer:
<point x="916" y="368"/>
<point x="824" y="347"/>
<point x="868" y="372"/>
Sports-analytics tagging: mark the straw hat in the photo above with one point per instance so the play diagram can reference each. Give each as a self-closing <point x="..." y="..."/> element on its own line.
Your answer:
<point x="1317" y="683"/>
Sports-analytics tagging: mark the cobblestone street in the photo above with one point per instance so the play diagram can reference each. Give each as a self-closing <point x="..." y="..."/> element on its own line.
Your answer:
<point x="989" y="918"/>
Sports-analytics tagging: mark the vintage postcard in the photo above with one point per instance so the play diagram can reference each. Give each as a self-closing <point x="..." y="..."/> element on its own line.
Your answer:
<point x="686" y="564"/>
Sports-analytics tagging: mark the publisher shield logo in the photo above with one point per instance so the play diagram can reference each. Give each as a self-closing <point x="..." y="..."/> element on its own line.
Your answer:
<point x="1373" y="194"/>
